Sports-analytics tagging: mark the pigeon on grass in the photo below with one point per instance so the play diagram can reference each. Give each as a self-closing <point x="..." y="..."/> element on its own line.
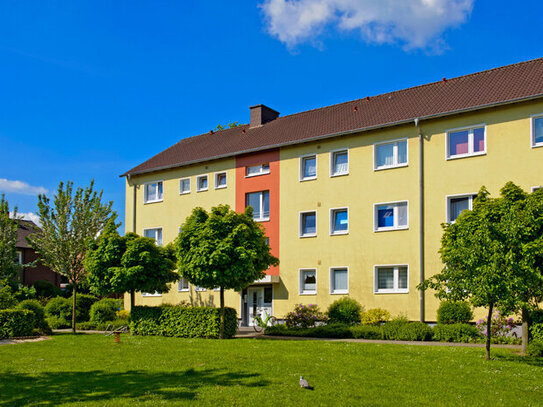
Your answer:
<point x="304" y="384"/>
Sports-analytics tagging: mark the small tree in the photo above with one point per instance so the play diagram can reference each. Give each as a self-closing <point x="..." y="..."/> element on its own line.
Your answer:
<point x="128" y="264"/>
<point x="222" y="249"/>
<point x="9" y="269"/>
<point x="67" y="223"/>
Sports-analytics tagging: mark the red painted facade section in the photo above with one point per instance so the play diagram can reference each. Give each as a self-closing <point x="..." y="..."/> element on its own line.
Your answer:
<point x="266" y="182"/>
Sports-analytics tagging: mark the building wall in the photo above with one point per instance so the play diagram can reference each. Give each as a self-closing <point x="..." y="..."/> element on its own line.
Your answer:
<point x="38" y="273"/>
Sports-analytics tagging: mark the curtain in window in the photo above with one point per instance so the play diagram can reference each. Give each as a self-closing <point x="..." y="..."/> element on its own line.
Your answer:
<point x="203" y="183"/>
<point x="385" y="278"/>
<point x="340" y="280"/>
<point x="385" y="155"/>
<point x="310" y="167"/>
<point x="402" y="152"/>
<point x="341" y="163"/>
<point x="151" y="192"/>
<point x="309" y="280"/>
<point x="341" y="220"/>
<point x="402" y="278"/>
<point x="159" y="190"/>
<point x="457" y="205"/>
<point x="459" y="142"/>
<point x="183" y="284"/>
<point x="402" y="214"/>
<point x="385" y="216"/>
<point x="253" y="200"/>
<point x="266" y="204"/>
<point x="479" y="139"/>
<point x="185" y="185"/>
<point x="308" y="223"/>
<point x="538" y="130"/>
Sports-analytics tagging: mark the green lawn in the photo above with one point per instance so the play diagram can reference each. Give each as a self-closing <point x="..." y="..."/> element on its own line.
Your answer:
<point x="91" y="369"/>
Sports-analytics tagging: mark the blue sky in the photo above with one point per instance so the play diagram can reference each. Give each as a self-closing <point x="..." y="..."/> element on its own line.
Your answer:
<point x="90" y="89"/>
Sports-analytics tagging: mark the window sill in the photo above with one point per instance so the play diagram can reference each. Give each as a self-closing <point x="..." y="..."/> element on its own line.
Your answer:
<point x="261" y="219"/>
<point x="459" y="156"/>
<point x="342" y="174"/>
<point x="151" y="295"/>
<point x="221" y="187"/>
<point x="184" y="193"/>
<point x="308" y="293"/>
<point x="202" y="190"/>
<point x="390" y="167"/>
<point x="392" y="292"/>
<point x="339" y="292"/>
<point x="257" y="175"/>
<point x="339" y="233"/>
<point x="184" y="290"/>
<point x="536" y="145"/>
<point x="308" y="235"/>
<point x="391" y="229"/>
<point x="152" y="202"/>
<point x="308" y="179"/>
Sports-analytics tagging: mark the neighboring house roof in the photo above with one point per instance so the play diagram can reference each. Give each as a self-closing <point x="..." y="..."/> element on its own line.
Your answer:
<point x="502" y="85"/>
<point x="26" y="228"/>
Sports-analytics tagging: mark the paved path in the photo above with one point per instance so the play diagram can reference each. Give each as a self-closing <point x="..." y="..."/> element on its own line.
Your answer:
<point x="14" y="341"/>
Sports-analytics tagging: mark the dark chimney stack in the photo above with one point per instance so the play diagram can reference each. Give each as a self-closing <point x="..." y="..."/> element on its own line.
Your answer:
<point x="261" y="114"/>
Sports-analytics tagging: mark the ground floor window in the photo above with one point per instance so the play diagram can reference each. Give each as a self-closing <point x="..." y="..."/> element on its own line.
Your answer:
<point x="391" y="279"/>
<point x="183" y="285"/>
<point x="308" y="281"/>
<point x="339" y="280"/>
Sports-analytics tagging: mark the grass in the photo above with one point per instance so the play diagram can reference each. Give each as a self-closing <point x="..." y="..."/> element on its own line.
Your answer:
<point x="92" y="370"/>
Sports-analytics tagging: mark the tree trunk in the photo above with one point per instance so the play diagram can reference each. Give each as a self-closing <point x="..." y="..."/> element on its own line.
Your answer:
<point x="132" y="300"/>
<point x="221" y="329"/>
<point x="525" y="329"/>
<point x="489" y="331"/>
<point x="74" y="295"/>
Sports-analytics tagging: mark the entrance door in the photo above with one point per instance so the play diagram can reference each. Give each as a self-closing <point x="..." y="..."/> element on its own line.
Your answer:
<point x="259" y="302"/>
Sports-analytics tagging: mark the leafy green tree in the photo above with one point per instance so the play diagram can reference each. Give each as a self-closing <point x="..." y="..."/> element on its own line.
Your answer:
<point x="67" y="223"/>
<point x="222" y="249"/>
<point x="493" y="254"/>
<point x="128" y="264"/>
<point x="9" y="224"/>
<point x="230" y="125"/>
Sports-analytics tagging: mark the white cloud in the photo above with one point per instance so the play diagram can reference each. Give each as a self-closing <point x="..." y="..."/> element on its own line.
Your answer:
<point x="20" y="187"/>
<point x="413" y="23"/>
<point x="28" y="216"/>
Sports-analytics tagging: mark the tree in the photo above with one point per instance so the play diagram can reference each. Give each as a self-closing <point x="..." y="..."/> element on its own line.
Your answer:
<point x="493" y="254"/>
<point x="9" y="224"/>
<point x="128" y="264"/>
<point x="222" y="249"/>
<point x="67" y="223"/>
<point x="230" y="125"/>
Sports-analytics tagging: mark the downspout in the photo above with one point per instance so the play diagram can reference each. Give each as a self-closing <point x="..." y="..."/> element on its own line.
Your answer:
<point x="421" y="220"/>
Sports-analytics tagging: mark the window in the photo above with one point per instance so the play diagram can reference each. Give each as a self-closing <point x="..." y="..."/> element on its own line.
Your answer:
<point x="260" y="201"/>
<point x="155" y="234"/>
<point x="308" y="167"/>
<point x="255" y="170"/>
<point x="308" y="224"/>
<point x="457" y="204"/>
<point x="537" y="131"/>
<point x="339" y="221"/>
<point x="308" y="281"/>
<point x="183" y="285"/>
<point x="536" y="188"/>
<point x="339" y="280"/>
<point x="196" y="288"/>
<point x="220" y="180"/>
<point x="152" y="192"/>
<point x="184" y="185"/>
<point x="19" y="257"/>
<point x="155" y="294"/>
<point x="391" y="216"/>
<point x="390" y="155"/>
<point x="339" y="163"/>
<point x="201" y="183"/>
<point x="391" y="279"/>
<point x="466" y="142"/>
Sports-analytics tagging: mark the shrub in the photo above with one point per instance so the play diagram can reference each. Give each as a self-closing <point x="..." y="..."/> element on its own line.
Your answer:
<point x="535" y="348"/>
<point x="123" y="314"/>
<point x="501" y="326"/>
<point x="402" y="330"/>
<point x="536" y="332"/>
<point x="455" y="333"/>
<point x="44" y="289"/>
<point x="194" y="322"/>
<point x="375" y="316"/>
<point x="59" y="307"/>
<point x="536" y="316"/>
<point x="24" y="293"/>
<point x="39" y="315"/>
<point x="304" y="316"/>
<point x="16" y="322"/>
<point x="7" y="299"/>
<point x="56" y="322"/>
<point x="101" y="326"/>
<point x="103" y="310"/>
<point x="366" y="332"/>
<point x="453" y="312"/>
<point x="82" y="306"/>
<point x="345" y="311"/>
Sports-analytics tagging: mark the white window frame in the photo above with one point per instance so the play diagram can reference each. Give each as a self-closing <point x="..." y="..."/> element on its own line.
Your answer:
<point x="448" y="204"/>
<point x="470" y="152"/>
<point x="302" y="160"/>
<point x="533" y="117"/>
<point x="161" y="234"/>
<point x="155" y="294"/>
<point x="19" y="257"/>
<point x="332" y="155"/>
<point x="376" y="228"/>
<point x="183" y="290"/>
<point x="537" y="187"/>
<point x="198" y="178"/>
<point x="332" y="290"/>
<point x="217" y="186"/>
<point x="395" y="154"/>
<point x="148" y="201"/>
<point x="262" y="171"/>
<point x="199" y="289"/>
<point x="394" y="290"/>
<point x="301" y="290"/>
<point x="331" y="217"/>
<point x="261" y="205"/>
<point x="301" y="234"/>
<point x="181" y="192"/>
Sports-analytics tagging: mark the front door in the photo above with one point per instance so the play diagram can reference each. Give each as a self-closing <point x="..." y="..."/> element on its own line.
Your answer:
<point x="258" y="303"/>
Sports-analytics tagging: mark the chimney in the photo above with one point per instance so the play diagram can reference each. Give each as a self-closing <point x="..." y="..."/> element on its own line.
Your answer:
<point x="261" y="114"/>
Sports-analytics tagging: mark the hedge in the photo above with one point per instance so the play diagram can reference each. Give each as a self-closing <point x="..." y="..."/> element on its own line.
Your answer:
<point x="184" y="322"/>
<point x="16" y="322"/>
<point x="39" y="315"/>
<point x="455" y="333"/>
<point x="101" y="326"/>
<point x="453" y="312"/>
<point x="104" y="310"/>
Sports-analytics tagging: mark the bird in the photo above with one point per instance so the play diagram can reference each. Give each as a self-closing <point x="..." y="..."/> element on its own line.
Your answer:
<point x="304" y="384"/>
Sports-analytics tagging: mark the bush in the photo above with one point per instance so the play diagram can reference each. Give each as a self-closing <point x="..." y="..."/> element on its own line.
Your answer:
<point x="304" y="316"/>
<point x="83" y="305"/>
<point x="16" y="322"/>
<point x="123" y="314"/>
<point x="39" y="315"/>
<point x="536" y="332"/>
<point x="44" y="289"/>
<point x="101" y="326"/>
<point x="402" y="330"/>
<point x="375" y="316"/>
<point x="7" y="299"/>
<point x="104" y="310"/>
<point x="367" y="332"/>
<point x="345" y="311"/>
<point x="195" y="322"/>
<point x="56" y="322"/>
<point x="60" y="308"/>
<point x="535" y="348"/>
<point x="536" y="316"/>
<point x="24" y="293"/>
<point x="455" y="333"/>
<point x="453" y="312"/>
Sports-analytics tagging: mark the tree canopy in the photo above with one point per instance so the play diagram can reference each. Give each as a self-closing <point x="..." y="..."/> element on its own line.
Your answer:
<point x="9" y="224"/>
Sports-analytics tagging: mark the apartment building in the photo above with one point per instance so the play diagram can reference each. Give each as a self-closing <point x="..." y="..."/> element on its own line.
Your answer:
<point x="352" y="196"/>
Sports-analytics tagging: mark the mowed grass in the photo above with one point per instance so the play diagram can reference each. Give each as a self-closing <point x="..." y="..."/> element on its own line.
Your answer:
<point x="93" y="370"/>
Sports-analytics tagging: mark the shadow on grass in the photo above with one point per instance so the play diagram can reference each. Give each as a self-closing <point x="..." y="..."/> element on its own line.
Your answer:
<point x="517" y="358"/>
<point x="53" y="388"/>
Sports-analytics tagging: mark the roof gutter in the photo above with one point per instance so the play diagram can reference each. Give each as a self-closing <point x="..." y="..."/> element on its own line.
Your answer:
<point x="331" y="135"/>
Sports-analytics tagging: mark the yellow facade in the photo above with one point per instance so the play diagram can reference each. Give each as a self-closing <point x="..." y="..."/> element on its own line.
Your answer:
<point x="509" y="157"/>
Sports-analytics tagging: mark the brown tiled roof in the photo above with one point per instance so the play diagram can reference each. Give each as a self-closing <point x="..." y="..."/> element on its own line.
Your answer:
<point x="26" y="228"/>
<point x="506" y="84"/>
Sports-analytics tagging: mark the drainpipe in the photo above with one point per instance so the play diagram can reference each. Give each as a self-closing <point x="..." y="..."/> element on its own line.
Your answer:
<point x="421" y="219"/>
